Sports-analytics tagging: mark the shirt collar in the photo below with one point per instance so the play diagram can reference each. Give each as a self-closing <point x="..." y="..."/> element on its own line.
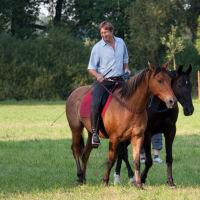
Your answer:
<point x="104" y="43"/>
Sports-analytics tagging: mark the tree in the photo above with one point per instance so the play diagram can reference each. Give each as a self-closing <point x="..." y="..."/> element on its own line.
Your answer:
<point x="18" y="17"/>
<point x="174" y="45"/>
<point x="84" y="16"/>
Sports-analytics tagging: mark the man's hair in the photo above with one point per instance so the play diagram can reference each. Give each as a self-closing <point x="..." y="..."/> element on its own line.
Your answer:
<point x="106" y="25"/>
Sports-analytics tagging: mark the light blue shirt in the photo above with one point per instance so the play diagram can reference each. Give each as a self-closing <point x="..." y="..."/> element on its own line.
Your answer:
<point x="103" y="58"/>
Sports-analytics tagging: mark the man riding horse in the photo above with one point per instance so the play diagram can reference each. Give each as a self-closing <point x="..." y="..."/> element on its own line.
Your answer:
<point x="110" y="53"/>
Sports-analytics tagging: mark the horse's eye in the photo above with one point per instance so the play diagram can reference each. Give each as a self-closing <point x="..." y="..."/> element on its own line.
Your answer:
<point x="159" y="81"/>
<point x="179" y="86"/>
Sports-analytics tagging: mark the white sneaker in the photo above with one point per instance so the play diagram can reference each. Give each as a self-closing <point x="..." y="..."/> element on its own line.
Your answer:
<point x="132" y="180"/>
<point x="116" y="178"/>
<point x="142" y="160"/>
<point x="157" y="160"/>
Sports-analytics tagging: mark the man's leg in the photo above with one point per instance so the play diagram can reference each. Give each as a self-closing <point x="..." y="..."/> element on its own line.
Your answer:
<point x="142" y="154"/>
<point x="96" y="111"/>
<point x="157" y="146"/>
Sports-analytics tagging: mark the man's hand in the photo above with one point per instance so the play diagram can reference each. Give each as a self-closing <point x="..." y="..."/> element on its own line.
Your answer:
<point x="125" y="67"/>
<point x="100" y="78"/>
<point x="127" y="70"/>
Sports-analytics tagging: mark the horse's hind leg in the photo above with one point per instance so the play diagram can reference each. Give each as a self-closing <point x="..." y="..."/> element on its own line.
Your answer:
<point x="86" y="154"/>
<point x="123" y="154"/>
<point x="77" y="138"/>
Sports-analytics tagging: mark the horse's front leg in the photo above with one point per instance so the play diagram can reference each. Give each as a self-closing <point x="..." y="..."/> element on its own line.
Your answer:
<point x="149" y="161"/>
<point x="136" y="142"/>
<point x="111" y="158"/>
<point x="169" y="138"/>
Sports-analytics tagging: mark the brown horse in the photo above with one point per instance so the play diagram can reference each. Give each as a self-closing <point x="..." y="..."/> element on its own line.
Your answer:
<point x="135" y="94"/>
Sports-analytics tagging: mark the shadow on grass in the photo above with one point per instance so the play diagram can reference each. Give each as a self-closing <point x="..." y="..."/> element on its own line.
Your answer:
<point x="49" y="164"/>
<point x="32" y="102"/>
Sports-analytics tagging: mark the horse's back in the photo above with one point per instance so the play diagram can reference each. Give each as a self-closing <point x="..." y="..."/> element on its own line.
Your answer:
<point x="76" y="93"/>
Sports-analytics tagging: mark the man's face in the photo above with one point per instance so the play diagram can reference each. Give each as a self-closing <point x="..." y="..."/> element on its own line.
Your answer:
<point x="106" y="34"/>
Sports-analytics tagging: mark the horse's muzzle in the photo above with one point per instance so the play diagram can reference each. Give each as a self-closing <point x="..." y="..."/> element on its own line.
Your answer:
<point x="171" y="103"/>
<point x="188" y="110"/>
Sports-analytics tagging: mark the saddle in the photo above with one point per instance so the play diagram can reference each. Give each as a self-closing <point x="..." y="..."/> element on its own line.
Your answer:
<point x="86" y="105"/>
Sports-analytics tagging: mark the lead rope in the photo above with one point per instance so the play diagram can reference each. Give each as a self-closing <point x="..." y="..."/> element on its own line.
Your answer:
<point x="123" y="104"/>
<point x="154" y="109"/>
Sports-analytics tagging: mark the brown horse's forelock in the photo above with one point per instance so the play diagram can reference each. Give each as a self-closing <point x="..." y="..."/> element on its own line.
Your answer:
<point x="131" y="85"/>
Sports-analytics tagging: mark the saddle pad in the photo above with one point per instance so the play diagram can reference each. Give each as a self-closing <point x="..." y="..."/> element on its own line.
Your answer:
<point x="86" y="105"/>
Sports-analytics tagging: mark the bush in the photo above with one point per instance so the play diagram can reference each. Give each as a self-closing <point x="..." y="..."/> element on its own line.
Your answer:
<point x="42" y="68"/>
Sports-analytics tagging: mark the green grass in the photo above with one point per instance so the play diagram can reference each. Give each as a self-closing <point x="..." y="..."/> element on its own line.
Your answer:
<point x="36" y="160"/>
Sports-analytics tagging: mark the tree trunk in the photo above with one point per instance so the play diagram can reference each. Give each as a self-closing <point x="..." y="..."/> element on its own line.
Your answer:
<point x="174" y="63"/>
<point x="51" y="19"/>
<point x="58" y="10"/>
<point x="12" y="26"/>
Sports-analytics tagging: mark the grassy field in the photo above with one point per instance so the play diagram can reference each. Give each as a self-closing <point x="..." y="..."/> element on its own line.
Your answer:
<point x="36" y="160"/>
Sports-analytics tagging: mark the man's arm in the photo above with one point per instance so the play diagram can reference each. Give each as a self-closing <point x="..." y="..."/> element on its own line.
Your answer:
<point x="125" y="67"/>
<point x="98" y="76"/>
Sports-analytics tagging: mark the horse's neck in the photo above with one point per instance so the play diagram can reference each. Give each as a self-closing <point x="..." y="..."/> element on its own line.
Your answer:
<point x="158" y="104"/>
<point x="139" y="98"/>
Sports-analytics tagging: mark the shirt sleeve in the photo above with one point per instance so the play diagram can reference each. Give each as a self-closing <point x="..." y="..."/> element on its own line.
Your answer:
<point x="125" y="56"/>
<point x="94" y="59"/>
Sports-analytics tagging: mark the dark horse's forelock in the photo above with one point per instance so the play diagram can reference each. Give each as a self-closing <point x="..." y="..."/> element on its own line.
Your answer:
<point x="130" y="86"/>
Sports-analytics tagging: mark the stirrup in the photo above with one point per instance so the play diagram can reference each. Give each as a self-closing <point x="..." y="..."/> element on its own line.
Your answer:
<point x="95" y="144"/>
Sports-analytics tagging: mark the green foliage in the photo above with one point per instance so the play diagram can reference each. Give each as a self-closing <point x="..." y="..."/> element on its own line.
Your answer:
<point x="149" y="21"/>
<point x="174" y="45"/>
<point x="17" y="17"/>
<point x="43" y="68"/>
<point x="85" y="16"/>
<point x="197" y="45"/>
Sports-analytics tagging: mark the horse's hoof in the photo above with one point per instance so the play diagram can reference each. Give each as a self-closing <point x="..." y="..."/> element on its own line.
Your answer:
<point x="78" y="182"/>
<point x="173" y="186"/>
<point x="105" y="184"/>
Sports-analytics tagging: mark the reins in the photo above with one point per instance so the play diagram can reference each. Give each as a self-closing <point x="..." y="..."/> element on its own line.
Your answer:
<point x="123" y="104"/>
<point x="79" y="98"/>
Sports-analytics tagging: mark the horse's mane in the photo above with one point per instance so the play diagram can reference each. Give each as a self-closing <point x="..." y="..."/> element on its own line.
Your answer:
<point x="130" y="86"/>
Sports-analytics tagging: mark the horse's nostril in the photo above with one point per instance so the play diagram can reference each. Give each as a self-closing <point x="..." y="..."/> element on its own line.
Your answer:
<point x="170" y="101"/>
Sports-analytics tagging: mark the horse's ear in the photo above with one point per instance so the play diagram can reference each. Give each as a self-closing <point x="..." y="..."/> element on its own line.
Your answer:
<point x="189" y="70"/>
<point x="151" y="66"/>
<point x="180" y="69"/>
<point x="166" y="64"/>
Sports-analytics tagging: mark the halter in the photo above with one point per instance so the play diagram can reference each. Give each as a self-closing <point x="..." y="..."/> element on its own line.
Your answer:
<point x="154" y="109"/>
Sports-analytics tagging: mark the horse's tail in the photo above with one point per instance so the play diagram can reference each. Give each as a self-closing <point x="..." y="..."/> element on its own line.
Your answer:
<point x="81" y="145"/>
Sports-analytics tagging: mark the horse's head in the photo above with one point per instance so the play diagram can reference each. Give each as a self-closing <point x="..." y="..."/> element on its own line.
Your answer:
<point x="160" y="85"/>
<point x="182" y="87"/>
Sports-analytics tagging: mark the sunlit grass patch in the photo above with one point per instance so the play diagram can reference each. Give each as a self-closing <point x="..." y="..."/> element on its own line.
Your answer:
<point x="36" y="161"/>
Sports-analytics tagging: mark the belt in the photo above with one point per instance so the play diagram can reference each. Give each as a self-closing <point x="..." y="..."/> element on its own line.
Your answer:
<point x="116" y="77"/>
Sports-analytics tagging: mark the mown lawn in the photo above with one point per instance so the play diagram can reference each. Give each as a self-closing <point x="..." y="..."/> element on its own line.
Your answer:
<point x="36" y="160"/>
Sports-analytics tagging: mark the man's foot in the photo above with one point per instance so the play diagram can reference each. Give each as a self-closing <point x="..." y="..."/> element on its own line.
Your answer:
<point x="142" y="160"/>
<point x="157" y="160"/>
<point x="96" y="140"/>
<point x="116" y="178"/>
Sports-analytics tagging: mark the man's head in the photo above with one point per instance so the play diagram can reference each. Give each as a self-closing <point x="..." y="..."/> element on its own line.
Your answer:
<point x="106" y="30"/>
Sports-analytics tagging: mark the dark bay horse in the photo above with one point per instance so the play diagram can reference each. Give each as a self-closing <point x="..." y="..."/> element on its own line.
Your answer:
<point x="162" y="122"/>
<point x="135" y="94"/>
